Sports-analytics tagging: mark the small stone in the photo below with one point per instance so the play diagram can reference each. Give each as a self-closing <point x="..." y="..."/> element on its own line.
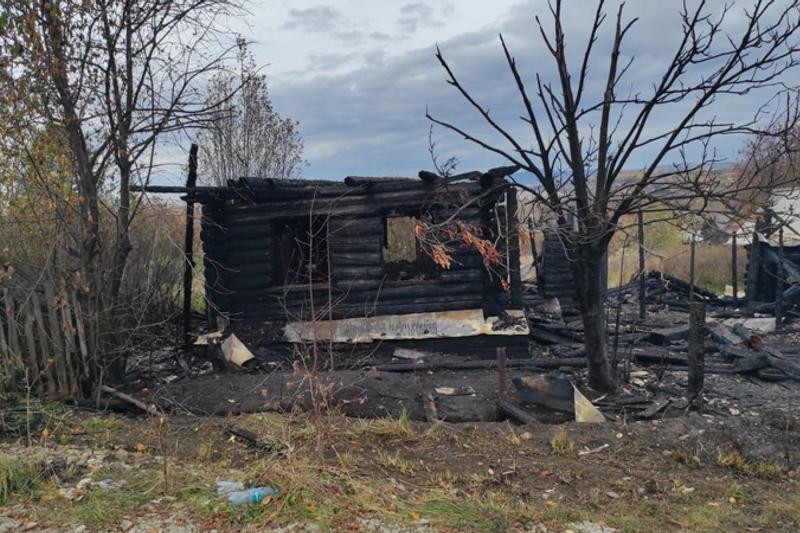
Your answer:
<point x="125" y="525"/>
<point x="612" y="494"/>
<point x="8" y="524"/>
<point x="526" y="435"/>
<point x="80" y="529"/>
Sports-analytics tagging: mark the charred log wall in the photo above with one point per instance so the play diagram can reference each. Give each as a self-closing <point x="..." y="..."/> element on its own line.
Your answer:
<point x="242" y="239"/>
<point x="762" y="270"/>
<point x="556" y="272"/>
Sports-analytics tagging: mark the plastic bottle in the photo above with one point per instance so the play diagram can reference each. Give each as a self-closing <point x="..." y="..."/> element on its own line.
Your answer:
<point x="256" y="495"/>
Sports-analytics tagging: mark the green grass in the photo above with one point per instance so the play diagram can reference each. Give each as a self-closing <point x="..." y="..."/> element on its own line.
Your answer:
<point x="18" y="478"/>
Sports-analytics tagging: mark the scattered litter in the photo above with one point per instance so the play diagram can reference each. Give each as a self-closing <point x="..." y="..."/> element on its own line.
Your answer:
<point x="111" y="484"/>
<point x="585" y="411"/>
<point x="251" y="496"/>
<point x="588" y="451"/>
<point x="235" y="352"/>
<point x="453" y="391"/>
<point x="208" y="339"/>
<point x="413" y="355"/>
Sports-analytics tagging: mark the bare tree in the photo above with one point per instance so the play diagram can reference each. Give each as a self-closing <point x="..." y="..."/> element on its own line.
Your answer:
<point x="249" y="138"/>
<point x="115" y="77"/>
<point x="580" y="143"/>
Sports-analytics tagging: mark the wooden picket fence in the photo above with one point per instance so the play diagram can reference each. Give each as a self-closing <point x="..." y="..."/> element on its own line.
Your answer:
<point x="45" y="340"/>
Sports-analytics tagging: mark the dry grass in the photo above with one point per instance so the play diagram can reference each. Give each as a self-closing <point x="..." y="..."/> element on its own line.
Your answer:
<point x="399" y="472"/>
<point x="668" y="251"/>
<point x="561" y="443"/>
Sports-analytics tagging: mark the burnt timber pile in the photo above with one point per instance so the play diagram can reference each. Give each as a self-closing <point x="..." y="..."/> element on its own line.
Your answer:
<point x="280" y="255"/>
<point x="556" y="273"/>
<point x="764" y="281"/>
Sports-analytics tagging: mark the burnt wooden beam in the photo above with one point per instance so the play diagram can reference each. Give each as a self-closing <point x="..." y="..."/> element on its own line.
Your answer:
<point x="188" y="248"/>
<point x="515" y="412"/>
<point x="179" y="189"/>
<point x="515" y="276"/>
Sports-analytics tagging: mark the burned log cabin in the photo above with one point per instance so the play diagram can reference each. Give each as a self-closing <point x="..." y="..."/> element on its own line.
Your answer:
<point x="765" y="279"/>
<point x="346" y="256"/>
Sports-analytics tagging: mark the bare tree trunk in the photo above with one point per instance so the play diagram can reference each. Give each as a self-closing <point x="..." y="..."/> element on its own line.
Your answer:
<point x="590" y="275"/>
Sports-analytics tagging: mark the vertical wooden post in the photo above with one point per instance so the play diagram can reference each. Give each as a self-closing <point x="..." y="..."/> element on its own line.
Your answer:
<point x="779" y="285"/>
<point x="502" y="372"/>
<point x="534" y="255"/>
<point x="512" y="231"/>
<point x="188" y="247"/>
<point x="691" y="267"/>
<point x="696" y="358"/>
<point x="734" y="269"/>
<point x="642" y="304"/>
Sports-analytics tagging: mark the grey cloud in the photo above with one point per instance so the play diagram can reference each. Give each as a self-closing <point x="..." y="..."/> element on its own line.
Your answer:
<point x="313" y="19"/>
<point x="326" y="62"/>
<point x="415" y="16"/>
<point x="371" y="120"/>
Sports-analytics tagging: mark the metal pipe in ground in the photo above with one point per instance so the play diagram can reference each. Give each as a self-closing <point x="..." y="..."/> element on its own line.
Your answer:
<point x="502" y="372"/>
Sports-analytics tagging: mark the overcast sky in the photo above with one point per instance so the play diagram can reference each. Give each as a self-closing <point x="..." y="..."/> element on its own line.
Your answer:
<point x="359" y="74"/>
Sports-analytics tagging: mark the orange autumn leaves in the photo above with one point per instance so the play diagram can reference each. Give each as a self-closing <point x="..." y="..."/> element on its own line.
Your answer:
<point x="439" y="241"/>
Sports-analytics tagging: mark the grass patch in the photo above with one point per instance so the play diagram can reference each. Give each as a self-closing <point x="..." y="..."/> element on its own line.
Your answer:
<point x="393" y="461"/>
<point x="399" y="428"/>
<point x="483" y="513"/>
<point x="766" y="469"/>
<point x="734" y="461"/>
<point x="17" y="478"/>
<point x="561" y="443"/>
<point x="685" y="457"/>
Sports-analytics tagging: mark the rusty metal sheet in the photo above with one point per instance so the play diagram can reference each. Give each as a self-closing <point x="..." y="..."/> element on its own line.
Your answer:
<point x="434" y="325"/>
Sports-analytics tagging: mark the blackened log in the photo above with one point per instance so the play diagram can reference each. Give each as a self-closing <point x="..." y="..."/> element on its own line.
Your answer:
<point x="351" y="204"/>
<point x="642" y="302"/>
<point x="361" y="243"/>
<point x="429" y="177"/>
<point x="515" y="275"/>
<point x="356" y="259"/>
<point x="258" y="269"/>
<point x="696" y="354"/>
<point x="668" y="336"/>
<point x="239" y="283"/>
<point x="501" y="172"/>
<point x="188" y="249"/>
<point x="236" y="257"/>
<point x="548" y="338"/>
<point x="179" y="189"/>
<point x="275" y="312"/>
<point x="421" y="290"/>
<point x="250" y="243"/>
<point x="344" y="273"/>
<point x="518" y="414"/>
<point x="343" y="227"/>
<point x="485" y="364"/>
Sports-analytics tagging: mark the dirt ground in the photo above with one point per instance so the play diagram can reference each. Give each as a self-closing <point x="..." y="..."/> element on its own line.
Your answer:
<point x="691" y="473"/>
